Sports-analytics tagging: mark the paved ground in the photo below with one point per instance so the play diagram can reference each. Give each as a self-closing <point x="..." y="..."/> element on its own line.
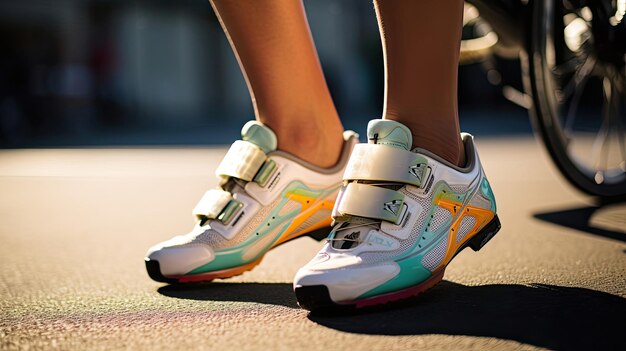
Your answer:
<point x="75" y="225"/>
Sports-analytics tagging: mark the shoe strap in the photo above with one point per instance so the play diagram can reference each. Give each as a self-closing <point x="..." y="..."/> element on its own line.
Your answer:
<point x="246" y="161"/>
<point x="217" y="204"/>
<point x="363" y="200"/>
<point x="373" y="162"/>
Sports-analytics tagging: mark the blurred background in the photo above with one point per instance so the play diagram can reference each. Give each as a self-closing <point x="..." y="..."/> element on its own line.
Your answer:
<point x="139" y="72"/>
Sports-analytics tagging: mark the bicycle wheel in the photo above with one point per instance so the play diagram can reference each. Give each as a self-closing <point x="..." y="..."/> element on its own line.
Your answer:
<point x="576" y="75"/>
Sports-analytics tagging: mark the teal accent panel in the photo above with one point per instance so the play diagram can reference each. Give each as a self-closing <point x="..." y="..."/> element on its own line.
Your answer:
<point x="222" y="261"/>
<point x="411" y="273"/>
<point x="485" y="188"/>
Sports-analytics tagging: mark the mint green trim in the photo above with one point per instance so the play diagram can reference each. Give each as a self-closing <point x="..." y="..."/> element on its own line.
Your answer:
<point x="233" y="258"/>
<point x="260" y="135"/>
<point x="411" y="273"/>
<point x="266" y="171"/>
<point x="485" y="188"/>
<point x="229" y="211"/>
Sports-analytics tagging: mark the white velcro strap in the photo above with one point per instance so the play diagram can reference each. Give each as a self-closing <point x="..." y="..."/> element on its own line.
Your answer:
<point x="242" y="161"/>
<point x="383" y="163"/>
<point x="212" y="204"/>
<point x="369" y="201"/>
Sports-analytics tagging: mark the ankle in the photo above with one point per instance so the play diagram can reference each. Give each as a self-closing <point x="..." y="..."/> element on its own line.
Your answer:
<point x="321" y="147"/>
<point x="452" y="151"/>
<point x="440" y="136"/>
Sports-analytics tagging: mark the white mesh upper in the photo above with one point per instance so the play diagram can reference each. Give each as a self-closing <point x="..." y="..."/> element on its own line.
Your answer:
<point x="216" y="241"/>
<point x="434" y="257"/>
<point x="460" y="188"/>
<point x="467" y="223"/>
<point x="480" y="201"/>
<point x="441" y="216"/>
<point x="289" y="207"/>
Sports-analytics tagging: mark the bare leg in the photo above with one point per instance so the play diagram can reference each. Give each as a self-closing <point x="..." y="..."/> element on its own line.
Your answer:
<point x="421" y="46"/>
<point x="275" y="50"/>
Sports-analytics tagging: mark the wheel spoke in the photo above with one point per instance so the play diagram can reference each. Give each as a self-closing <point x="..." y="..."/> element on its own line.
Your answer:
<point x="582" y="74"/>
<point x="580" y="81"/>
<point x="619" y="126"/>
<point x="599" y="149"/>
<point x="570" y="65"/>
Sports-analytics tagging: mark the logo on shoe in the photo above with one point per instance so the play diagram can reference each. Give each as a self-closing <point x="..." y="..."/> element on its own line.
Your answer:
<point x="392" y="206"/>
<point x="351" y="240"/>
<point x="416" y="171"/>
<point x="381" y="241"/>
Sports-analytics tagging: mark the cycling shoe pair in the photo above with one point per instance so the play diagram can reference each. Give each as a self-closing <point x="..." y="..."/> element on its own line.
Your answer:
<point x="399" y="217"/>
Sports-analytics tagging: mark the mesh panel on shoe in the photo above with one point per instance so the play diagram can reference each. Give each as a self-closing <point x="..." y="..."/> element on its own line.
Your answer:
<point x="467" y="223"/>
<point x="480" y="201"/>
<point x="217" y="242"/>
<point x="434" y="257"/>
<point x="289" y="207"/>
<point x="441" y="216"/>
<point x="458" y="188"/>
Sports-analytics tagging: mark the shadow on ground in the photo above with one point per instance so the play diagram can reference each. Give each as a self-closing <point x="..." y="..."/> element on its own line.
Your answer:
<point x="268" y="293"/>
<point x="581" y="219"/>
<point x="543" y="315"/>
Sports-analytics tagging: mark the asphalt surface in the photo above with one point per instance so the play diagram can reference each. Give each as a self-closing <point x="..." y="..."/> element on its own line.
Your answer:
<point x="76" y="223"/>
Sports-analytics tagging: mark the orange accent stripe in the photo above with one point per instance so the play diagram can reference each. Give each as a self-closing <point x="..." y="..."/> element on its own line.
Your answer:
<point x="481" y="215"/>
<point x="310" y="206"/>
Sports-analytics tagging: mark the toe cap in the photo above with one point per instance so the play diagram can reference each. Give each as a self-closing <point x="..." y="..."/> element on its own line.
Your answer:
<point x="348" y="283"/>
<point x="179" y="260"/>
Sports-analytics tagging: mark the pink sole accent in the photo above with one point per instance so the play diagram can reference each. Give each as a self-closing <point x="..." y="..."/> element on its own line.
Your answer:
<point x="225" y="273"/>
<point x="400" y="294"/>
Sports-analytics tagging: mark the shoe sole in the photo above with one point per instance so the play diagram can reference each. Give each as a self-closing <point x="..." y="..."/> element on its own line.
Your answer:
<point x="316" y="298"/>
<point x="154" y="269"/>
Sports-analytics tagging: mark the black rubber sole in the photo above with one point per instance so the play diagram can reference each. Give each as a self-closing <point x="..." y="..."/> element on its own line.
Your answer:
<point x="154" y="269"/>
<point x="482" y="238"/>
<point x="316" y="298"/>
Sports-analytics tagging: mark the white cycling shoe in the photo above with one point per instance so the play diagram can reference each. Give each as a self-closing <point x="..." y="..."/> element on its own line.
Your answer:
<point x="265" y="198"/>
<point x="400" y="218"/>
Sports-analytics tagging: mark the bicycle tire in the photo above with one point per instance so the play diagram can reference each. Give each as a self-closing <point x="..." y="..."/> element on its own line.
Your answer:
<point x="546" y="121"/>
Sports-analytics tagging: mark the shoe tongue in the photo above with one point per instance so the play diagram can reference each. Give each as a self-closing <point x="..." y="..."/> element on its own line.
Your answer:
<point x="259" y="135"/>
<point x="391" y="133"/>
<point x="349" y="238"/>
